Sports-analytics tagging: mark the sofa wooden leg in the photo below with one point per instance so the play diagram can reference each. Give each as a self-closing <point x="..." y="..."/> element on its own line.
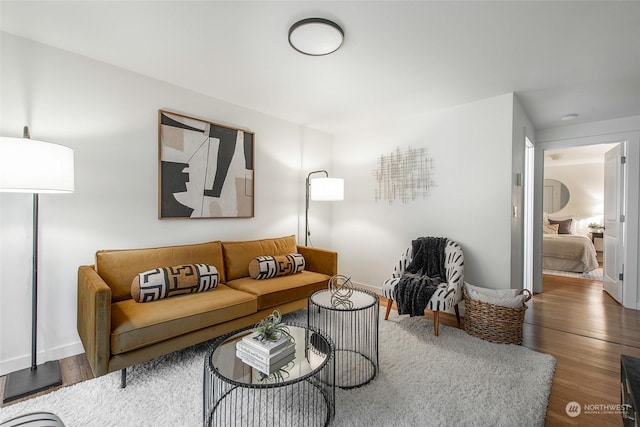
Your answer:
<point x="436" y="322"/>
<point x="389" y="304"/>
<point x="123" y="377"/>
<point x="455" y="307"/>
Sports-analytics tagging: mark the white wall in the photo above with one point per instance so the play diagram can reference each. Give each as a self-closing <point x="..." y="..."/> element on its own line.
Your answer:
<point x="109" y="117"/>
<point x="316" y="155"/>
<point x="472" y="150"/>
<point x="605" y="127"/>
<point x="585" y="183"/>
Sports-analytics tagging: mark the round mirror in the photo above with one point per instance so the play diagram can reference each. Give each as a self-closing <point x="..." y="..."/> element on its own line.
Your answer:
<point x="556" y="196"/>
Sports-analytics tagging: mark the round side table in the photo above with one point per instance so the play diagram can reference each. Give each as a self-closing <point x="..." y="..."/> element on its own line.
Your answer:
<point x="352" y="324"/>
<point x="303" y="394"/>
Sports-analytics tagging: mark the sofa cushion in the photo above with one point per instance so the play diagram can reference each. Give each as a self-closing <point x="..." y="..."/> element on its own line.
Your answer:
<point x="136" y="325"/>
<point x="279" y="290"/>
<point x="165" y="282"/>
<point x="237" y="255"/>
<point x="118" y="267"/>
<point x="266" y="267"/>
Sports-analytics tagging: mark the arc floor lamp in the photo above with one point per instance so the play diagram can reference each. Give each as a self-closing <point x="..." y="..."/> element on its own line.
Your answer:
<point x="29" y="166"/>
<point x="320" y="189"/>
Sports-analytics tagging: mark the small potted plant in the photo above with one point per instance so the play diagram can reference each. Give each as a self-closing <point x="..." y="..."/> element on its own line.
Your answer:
<point x="271" y="328"/>
<point x="278" y="376"/>
<point x="595" y="227"/>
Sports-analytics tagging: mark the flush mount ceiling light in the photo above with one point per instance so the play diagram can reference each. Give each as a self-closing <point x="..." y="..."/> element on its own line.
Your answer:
<point x="316" y="36"/>
<point x="569" y="117"/>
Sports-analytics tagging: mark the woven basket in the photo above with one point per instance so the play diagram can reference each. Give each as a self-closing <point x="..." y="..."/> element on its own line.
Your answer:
<point x="495" y="323"/>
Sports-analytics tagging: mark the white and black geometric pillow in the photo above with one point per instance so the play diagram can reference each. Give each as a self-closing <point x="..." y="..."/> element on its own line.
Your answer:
<point x="266" y="267"/>
<point x="164" y="282"/>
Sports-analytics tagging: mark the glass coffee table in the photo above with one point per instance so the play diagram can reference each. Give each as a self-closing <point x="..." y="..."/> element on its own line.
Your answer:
<point x="352" y="323"/>
<point x="302" y="392"/>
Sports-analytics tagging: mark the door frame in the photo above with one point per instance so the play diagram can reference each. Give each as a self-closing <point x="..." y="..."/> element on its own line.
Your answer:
<point x="630" y="234"/>
<point x="529" y="213"/>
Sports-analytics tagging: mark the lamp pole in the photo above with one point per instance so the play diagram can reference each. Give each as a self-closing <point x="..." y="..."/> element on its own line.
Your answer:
<point x="306" y="211"/>
<point x="36" y="378"/>
<point x="34" y="272"/>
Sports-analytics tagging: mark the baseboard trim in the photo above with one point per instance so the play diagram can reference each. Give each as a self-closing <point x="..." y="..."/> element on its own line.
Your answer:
<point x="376" y="290"/>
<point x="22" y="362"/>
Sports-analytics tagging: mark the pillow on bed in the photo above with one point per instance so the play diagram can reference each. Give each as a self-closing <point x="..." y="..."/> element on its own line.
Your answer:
<point x="564" y="226"/>
<point x="550" y="229"/>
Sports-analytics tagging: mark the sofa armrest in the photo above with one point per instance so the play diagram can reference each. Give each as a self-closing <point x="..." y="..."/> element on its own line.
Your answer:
<point x="94" y="318"/>
<point x="319" y="260"/>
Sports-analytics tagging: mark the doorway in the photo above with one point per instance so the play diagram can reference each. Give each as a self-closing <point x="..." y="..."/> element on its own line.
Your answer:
<point x="629" y="257"/>
<point x="573" y="211"/>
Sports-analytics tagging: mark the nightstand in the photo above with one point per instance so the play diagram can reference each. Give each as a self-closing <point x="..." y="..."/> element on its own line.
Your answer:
<point x="597" y="238"/>
<point x="596" y="235"/>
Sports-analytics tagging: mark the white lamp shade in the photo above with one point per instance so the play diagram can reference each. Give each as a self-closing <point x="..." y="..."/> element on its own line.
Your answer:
<point x="327" y="189"/>
<point x="30" y="166"/>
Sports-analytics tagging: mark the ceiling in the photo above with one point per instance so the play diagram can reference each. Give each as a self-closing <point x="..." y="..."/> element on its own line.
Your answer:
<point x="585" y="154"/>
<point x="398" y="59"/>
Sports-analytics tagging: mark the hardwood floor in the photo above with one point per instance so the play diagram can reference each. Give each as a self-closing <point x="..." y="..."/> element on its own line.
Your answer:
<point x="575" y="321"/>
<point x="586" y="331"/>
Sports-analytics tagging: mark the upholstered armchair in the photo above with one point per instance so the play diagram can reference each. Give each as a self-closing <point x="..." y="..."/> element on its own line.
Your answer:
<point x="448" y="293"/>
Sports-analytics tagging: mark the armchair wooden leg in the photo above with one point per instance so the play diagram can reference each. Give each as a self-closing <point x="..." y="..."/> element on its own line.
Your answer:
<point x="455" y="307"/>
<point x="389" y="304"/>
<point x="436" y="322"/>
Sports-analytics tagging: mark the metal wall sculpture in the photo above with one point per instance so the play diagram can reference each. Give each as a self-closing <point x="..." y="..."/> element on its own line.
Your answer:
<point x="404" y="176"/>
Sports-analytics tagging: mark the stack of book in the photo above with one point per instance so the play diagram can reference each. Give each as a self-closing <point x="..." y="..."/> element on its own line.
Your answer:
<point x="265" y="356"/>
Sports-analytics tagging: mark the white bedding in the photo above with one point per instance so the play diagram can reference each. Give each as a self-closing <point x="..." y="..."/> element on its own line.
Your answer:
<point x="568" y="252"/>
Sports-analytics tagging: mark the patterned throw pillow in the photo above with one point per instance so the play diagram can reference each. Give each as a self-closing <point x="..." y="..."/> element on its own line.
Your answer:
<point x="266" y="267"/>
<point x="165" y="282"/>
<point x="550" y="228"/>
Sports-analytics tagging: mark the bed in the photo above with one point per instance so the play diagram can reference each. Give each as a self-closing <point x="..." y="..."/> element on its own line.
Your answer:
<point x="568" y="252"/>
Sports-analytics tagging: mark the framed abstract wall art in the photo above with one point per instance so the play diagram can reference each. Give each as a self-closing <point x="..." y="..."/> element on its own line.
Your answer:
<point x="206" y="170"/>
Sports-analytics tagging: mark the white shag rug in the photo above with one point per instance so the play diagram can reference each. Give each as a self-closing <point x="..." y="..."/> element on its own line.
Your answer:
<point x="453" y="379"/>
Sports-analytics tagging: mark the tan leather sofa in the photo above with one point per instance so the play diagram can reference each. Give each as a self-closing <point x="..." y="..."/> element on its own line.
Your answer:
<point x="118" y="332"/>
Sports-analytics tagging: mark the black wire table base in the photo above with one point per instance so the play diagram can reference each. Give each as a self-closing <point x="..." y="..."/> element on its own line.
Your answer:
<point x="354" y="330"/>
<point x="302" y="394"/>
<point x="300" y="404"/>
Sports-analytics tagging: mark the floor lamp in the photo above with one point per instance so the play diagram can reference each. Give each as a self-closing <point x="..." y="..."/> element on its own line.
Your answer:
<point x="29" y="166"/>
<point x="321" y="189"/>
